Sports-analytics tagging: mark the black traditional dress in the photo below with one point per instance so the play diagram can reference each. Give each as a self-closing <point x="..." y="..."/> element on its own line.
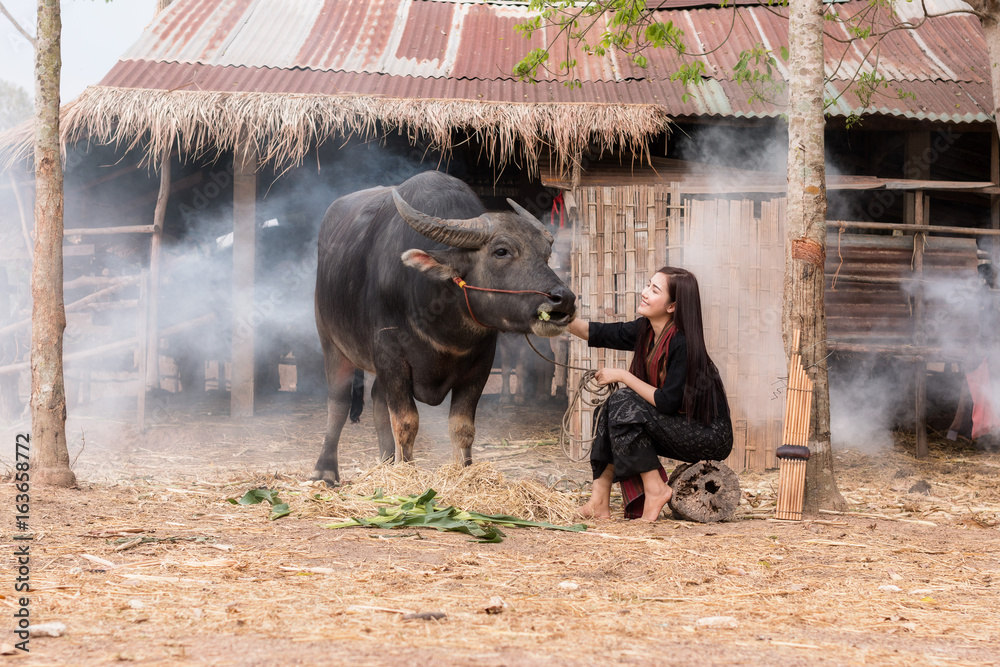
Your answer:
<point x="629" y="432"/>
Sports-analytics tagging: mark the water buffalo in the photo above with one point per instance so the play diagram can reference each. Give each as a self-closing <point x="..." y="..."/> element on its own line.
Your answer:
<point x="389" y="300"/>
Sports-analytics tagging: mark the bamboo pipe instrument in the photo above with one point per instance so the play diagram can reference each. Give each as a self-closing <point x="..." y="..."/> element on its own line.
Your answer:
<point x="794" y="452"/>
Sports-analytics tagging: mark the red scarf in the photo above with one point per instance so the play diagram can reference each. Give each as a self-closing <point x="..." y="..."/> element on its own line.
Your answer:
<point x="649" y="362"/>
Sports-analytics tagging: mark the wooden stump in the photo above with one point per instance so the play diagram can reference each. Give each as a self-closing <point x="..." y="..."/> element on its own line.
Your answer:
<point x="707" y="491"/>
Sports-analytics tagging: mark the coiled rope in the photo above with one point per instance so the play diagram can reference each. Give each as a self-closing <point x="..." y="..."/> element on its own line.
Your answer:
<point x="600" y="394"/>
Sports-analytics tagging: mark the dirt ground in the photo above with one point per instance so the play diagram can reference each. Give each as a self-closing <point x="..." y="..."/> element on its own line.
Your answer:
<point x="904" y="578"/>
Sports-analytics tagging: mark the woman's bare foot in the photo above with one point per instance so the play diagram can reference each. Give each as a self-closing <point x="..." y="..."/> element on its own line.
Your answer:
<point x="592" y="511"/>
<point x="654" y="503"/>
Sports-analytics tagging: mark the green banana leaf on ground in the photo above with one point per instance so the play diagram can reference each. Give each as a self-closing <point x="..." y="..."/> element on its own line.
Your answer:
<point x="255" y="496"/>
<point x="422" y="511"/>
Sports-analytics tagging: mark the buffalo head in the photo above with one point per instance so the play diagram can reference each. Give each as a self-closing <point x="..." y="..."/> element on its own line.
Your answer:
<point x="498" y="251"/>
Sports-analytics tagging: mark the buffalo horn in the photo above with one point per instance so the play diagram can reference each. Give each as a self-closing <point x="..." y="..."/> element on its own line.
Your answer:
<point x="469" y="234"/>
<point x="535" y="221"/>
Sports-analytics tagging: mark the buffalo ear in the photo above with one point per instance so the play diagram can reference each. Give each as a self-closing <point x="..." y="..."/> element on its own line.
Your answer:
<point x="432" y="266"/>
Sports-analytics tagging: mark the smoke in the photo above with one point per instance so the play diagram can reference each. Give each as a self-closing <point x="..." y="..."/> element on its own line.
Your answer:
<point x="765" y="149"/>
<point x="105" y="189"/>
<point x="290" y="209"/>
<point x="870" y="395"/>
<point x="866" y="402"/>
<point x="740" y="269"/>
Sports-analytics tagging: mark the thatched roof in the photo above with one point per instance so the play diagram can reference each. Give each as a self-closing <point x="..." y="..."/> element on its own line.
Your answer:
<point x="283" y="127"/>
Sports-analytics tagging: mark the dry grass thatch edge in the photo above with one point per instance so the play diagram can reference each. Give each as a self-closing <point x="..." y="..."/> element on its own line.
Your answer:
<point x="282" y="127"/>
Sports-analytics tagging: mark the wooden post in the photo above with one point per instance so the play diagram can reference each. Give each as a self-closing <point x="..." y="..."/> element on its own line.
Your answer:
<point x="577" y="170"/>
<point x="142" y="329"/>
<point x="152" y="377"/>
<point x="244" y="250"/>
<point x="920" y="385"/>
<point x="995" y="199"/>
<point x="916" y="166"/>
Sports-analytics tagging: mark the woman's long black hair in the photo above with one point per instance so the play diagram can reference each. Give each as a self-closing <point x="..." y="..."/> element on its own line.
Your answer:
<point x="703" y="385"/>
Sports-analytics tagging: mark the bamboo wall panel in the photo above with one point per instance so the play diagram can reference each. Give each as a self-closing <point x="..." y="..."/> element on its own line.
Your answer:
<point x="739" y="260"/>
<point x="625" y="233"/>
<point x="619" y="240"/>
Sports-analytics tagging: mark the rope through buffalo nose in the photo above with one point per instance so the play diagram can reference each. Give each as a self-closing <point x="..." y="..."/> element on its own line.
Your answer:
<point x="466" y="287"/>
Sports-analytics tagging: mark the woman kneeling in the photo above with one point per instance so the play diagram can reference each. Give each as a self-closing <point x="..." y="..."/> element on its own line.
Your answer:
<point x="673" y="404"/>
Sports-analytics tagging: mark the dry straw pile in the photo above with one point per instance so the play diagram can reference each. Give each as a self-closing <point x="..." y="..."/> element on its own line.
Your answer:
<point x="480" y="488"/>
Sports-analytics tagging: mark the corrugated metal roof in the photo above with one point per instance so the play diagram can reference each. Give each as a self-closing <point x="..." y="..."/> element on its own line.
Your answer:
<point x="939" y="101"/>
<point x="439" y="49"/>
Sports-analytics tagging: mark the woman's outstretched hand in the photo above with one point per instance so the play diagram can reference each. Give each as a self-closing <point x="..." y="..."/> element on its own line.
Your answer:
<point x="579" y="328"/>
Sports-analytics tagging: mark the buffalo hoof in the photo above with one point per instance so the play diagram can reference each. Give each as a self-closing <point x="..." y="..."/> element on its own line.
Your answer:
<point x="328" y="477"/>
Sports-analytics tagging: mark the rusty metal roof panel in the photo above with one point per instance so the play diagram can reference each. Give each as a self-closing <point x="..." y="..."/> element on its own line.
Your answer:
<point x="487" y="35"/>
<point x="489" y="48"/>
<point x="946" y="48"/>
<point x="348" y="35"/>
<point x="459" y="49"/>
<point x="946" y="101"/>
<point x="188" y="30"/>
<point x="461" y="39"/>
<point x="949" y="48"/>
<point x="425" y="46"/>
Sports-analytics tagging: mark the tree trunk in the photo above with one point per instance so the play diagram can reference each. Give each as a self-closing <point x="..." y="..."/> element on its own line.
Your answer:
<point x="803" y="304"/>
<point x="50" y="459"/>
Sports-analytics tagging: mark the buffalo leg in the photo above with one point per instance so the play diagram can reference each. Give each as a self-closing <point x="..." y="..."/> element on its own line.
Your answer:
<point x="395" y="387"/>
<point x="396" y="421"/>
<point x="383" y="424"/>
<point x="339" y="376"/>
<point x="462" y="416"/>
<point x="405" y="422"/>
